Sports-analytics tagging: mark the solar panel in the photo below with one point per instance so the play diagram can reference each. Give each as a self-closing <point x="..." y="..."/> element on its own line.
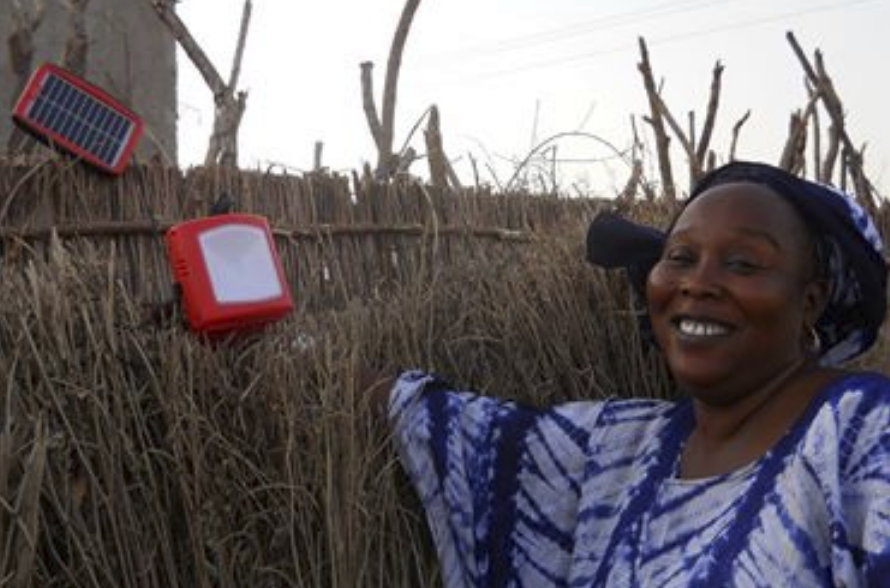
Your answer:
<point x="68" y="112"/>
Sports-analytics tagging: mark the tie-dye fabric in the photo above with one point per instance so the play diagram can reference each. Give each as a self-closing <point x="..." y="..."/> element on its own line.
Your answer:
<point x="585" y="494"/>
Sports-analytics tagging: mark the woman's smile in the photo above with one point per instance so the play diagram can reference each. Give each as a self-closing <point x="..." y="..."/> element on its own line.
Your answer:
<point x="700" y="330"/>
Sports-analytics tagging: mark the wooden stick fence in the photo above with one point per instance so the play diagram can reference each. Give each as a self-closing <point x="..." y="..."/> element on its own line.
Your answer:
<point x="322" y="224"/>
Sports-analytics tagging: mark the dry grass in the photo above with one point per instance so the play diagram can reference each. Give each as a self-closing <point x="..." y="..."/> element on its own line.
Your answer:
<point x="140" y="456"/>
<point x="133" y="454"/>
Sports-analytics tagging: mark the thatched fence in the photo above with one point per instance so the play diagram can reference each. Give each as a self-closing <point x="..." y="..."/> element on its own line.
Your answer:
<point x="134" y="454"/>
<point x="338" y="236"/>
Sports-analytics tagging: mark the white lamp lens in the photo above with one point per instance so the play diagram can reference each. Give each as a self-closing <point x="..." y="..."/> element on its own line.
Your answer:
<point x="240" y="264"/>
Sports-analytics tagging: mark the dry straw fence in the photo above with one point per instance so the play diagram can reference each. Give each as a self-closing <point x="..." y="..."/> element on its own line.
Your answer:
<point x="133" y="454"/>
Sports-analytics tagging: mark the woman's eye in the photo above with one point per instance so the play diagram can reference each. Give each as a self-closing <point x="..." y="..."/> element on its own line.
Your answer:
<point x="742" y="264"/>
<point x="679" y="257"/>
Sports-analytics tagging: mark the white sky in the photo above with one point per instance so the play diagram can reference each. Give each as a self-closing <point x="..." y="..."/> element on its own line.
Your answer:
<point x="491" y="65"/>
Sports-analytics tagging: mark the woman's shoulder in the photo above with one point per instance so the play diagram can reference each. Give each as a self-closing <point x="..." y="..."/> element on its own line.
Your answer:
<point x="846" y="452"/>
<point x="866" y="390"/>
<point x="850" y="399"/>
<point x="852" y="419"/>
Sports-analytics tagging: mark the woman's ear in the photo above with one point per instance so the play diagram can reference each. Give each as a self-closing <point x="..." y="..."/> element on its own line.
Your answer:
<point x="815" y="299"/>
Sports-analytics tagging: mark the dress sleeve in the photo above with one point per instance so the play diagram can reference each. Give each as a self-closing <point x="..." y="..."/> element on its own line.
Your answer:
<point x="500" y="482"/>
<point x="861" y="535"/>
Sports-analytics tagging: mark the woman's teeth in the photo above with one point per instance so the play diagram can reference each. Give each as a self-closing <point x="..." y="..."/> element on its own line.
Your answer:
<point x="701" y="329"/>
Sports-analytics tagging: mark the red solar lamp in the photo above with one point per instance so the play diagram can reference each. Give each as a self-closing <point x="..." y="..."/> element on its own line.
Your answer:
<point x="228" y="272"/>
<point x="68" y="113"/>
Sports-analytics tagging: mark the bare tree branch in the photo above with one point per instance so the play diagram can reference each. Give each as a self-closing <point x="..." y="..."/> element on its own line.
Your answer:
<point x="74" y="57"/>
<point x="242" y="42"/>
<point x="638" y="149"/>
<point x="794" y="153"/>
<point x="851" y="155"/>
<point x="657" y="121"/>
<point x="223" y="147"/>
<point x="474" y="165"/>
<point x="21" y="40"/>
<point x="230" y="105"/>
<point x="817" y="133"/>
<point x="736" y="130"/>
<point x="369" y="104"/>
<point x="676" y="128"/>
<point x="712" y="161"/>
<point x="385" y="161"/>
<point x="407" y="157"/>
<point x="434" y="151"/>
<point x="183" y="36"/>
<point x="711" y="115"/>
<point x="629" y="192"/>
<point x="21" y="60"/>
<point x="441" y="172"/>
<point x="826" y="173"/>
<point x="540" y="147"/>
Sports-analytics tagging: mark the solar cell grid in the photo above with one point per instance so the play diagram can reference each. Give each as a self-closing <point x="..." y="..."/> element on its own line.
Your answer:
<point x="81" y="119"/>
<point x="78" y="117"/>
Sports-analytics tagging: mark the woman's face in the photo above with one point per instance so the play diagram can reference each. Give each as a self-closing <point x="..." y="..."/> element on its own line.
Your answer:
<point x="732" y="296"/>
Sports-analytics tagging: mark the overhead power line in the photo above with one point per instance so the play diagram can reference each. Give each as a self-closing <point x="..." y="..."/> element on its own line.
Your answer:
<point x="750" y="23"/>
<point x="600" y="24"/>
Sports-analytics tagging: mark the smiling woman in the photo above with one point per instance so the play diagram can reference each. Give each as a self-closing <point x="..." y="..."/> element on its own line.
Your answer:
<point x="760" y="287"/>
<point x="734" y="293"/>
<point x="733" y="301"/>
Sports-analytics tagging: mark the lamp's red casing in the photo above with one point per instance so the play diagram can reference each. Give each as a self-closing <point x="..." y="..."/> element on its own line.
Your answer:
<point x="229" y="272"/>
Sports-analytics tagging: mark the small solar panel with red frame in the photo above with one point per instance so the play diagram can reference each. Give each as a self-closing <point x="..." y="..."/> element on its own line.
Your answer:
<point x="71" y="114"/>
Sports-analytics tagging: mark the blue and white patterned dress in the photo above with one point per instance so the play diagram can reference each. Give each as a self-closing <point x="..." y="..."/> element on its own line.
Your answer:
<point x="585" y="494"/>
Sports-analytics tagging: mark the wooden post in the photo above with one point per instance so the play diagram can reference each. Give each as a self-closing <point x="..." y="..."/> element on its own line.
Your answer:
<point x="317" y="156"/>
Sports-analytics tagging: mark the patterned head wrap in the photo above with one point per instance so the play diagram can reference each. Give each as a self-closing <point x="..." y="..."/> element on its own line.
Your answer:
<point x="849" y="245"/>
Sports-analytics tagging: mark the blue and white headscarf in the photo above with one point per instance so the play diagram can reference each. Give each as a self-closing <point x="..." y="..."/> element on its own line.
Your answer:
<point x="849" y="245"/>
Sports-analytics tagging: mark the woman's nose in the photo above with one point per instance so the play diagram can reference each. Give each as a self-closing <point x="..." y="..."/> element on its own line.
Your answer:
<point x="702" y="279"/>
